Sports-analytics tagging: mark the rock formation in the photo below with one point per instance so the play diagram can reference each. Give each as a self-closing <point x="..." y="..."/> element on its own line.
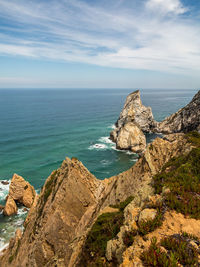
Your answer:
<point x="20" y="191"/>
<point x="72" y="198"/>
<point x="134" y="119"/>
<point x="10" y="207"/>
<point x="185" y="120"/>
<point x="131" y="137"/>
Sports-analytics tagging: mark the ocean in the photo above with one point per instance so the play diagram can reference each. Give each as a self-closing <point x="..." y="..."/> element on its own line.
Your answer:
<point x="40" y="127"/>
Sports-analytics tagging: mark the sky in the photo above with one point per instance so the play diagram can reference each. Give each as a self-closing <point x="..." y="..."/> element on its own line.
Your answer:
<point x="100" y="44"/>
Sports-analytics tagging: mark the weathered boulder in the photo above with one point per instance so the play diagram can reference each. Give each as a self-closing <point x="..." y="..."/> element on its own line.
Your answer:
<point x="10" y="207"/>
<point x="21" y="191"/>
<point x="134" y="119"/>
<point x="185" y="120"/>
<point x="147" y="215"/>
<point x="131" y="137"/>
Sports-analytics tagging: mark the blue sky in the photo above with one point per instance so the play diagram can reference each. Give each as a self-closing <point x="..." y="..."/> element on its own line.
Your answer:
<point x="100" y="44"/>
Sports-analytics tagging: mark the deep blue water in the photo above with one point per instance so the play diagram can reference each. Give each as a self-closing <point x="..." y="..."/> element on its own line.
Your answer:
<point x="39" y="128"/>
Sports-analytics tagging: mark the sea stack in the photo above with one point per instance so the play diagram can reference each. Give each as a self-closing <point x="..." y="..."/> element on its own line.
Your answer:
<point x="134" y="119"/>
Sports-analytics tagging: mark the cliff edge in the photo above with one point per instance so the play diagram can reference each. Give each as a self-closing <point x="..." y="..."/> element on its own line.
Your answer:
<point x="58" y="223"/>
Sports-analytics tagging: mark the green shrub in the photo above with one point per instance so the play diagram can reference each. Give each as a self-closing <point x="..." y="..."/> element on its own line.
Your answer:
<point x="183" y="251"/>
<point x="122" y="205"/>
<point x="104" y="229"/>
<point x="155" y="257"/>
<point x="128" y="238"/>
<point x="182" y="176"/>
<point x="178" y="251"/>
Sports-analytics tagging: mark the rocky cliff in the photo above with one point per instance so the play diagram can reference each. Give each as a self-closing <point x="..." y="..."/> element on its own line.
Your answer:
<point x="185" y="120"/>
<point x="71" y="199"/>
<point x="136" y="119"/>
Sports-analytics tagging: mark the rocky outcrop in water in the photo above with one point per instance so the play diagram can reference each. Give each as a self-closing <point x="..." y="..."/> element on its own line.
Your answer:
<point x="130" y="137"/>
<point x="20" y="191"/>
<point x="185" y="120"/>
<point x="10" y="207"/>
<point x="134" y="119"/>
<point x="72" y="198"/>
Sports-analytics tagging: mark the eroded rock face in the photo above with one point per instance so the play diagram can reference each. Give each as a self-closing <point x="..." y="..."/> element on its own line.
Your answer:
<point x="185" y="120"/>
<point x="21" y="191"/>
<point x="131" y="137"/>
<point x="134" y="119"/>
<point x="134" y="111"/>
<point x="57" y="221"/>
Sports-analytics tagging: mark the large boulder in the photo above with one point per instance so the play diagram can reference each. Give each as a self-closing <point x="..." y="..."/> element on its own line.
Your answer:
<point x="10" y="207"/>
<point x="21" y="191"/>
<point x="131" y="137"/>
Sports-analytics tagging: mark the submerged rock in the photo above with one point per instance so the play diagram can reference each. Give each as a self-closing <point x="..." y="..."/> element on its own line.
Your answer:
<point x="5" y="182"/>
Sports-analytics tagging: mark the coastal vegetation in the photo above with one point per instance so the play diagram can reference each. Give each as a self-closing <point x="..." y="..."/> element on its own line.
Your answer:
<point x="171" y="251"/>
<point x="182" y="177"/>
<point x="106" y="227"/>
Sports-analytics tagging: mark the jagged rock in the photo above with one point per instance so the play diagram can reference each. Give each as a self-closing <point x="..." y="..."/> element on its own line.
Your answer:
<point x="185" y="120"/>
<point x="10" y="207"/>
<point x="131" y="137"/>
<point x="57" y="221"/>
<point x="134" y="111"/>
<point x="71" y="199"/>
<point x="133" y="119"/>
<point x="147" y="214"/>
<point x="21" y="191"/>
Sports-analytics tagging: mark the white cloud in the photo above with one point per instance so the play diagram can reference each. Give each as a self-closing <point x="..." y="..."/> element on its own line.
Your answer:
<point x="120" y="37"/>
<point x="166" y="6"/>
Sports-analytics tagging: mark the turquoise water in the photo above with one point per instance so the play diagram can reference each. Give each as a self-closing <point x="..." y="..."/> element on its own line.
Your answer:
<point x="39" y="128"/>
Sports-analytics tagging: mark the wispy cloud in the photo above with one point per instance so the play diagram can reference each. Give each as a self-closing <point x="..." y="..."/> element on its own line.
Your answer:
<point x="122" y="34"/>
<point x="166" y="6"/>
